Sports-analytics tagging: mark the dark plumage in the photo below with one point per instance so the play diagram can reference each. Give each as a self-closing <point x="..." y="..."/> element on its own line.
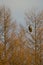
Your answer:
<point x="30" y="28"/>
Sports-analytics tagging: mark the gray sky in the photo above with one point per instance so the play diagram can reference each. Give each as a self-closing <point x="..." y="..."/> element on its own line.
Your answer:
<point x="19" y="7"/>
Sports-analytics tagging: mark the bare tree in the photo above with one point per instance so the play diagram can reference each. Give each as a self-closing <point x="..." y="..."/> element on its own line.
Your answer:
<point x="4" y="27"/>
<point x="36" y="21"/>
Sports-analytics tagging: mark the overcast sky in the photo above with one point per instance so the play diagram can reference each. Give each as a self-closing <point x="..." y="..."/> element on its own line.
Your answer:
<point x="18" y="7"/>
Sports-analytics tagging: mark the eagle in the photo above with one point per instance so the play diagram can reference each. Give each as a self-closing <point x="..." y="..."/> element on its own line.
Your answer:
<point x="30" y="28"/>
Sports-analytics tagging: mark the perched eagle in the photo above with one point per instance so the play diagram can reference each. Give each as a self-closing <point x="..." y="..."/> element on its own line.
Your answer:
<point x="30" y="28"/>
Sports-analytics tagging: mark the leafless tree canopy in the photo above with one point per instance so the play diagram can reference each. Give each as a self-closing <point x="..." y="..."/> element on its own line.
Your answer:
<point x="20" y="45"/>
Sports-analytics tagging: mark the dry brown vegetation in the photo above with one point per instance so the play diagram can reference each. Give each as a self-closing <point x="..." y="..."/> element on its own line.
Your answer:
<point x="22" y="47"/>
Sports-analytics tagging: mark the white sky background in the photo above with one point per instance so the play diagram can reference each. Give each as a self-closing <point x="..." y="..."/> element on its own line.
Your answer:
<point x="18" y="7"/>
